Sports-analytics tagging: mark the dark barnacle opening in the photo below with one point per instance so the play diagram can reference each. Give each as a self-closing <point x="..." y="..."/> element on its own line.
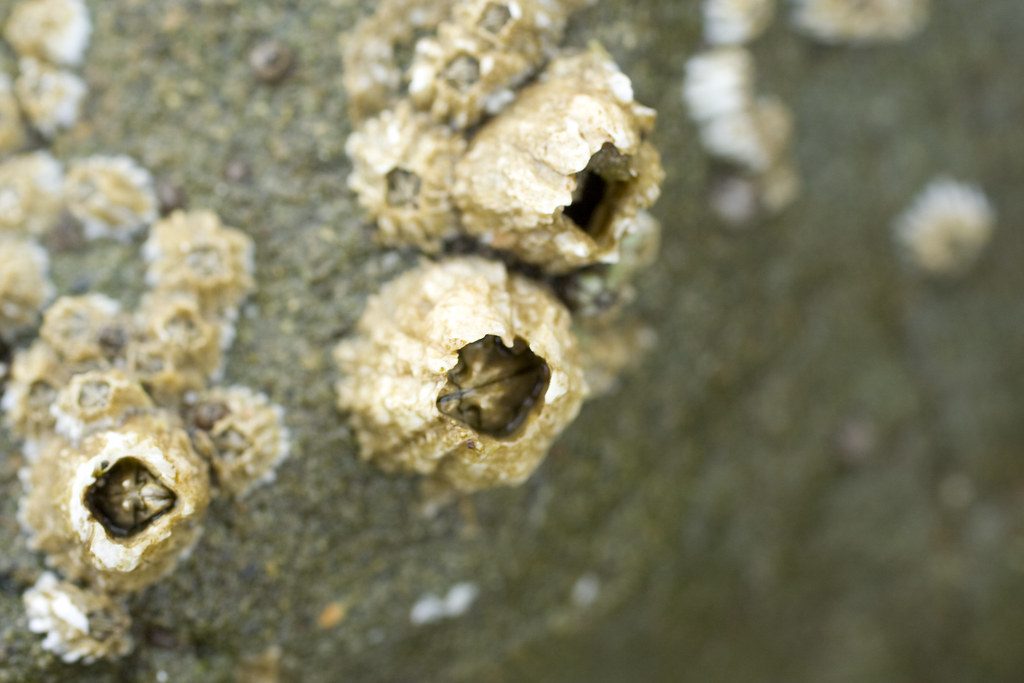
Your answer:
<point x="493" y="387"/>
<point x="495" y="16"/>
<point x="403" y="187"/>
<point x="598" y="189"/>
<point x="127" y="498"/>
<point x="462" y="72"/>
<point x="112" y="340"/>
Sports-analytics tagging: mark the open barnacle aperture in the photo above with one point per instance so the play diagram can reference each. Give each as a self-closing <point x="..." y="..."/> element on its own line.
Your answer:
<point x="494" y="387"/>
<point x="127" y="497"/>
<point x="599" y="186"/>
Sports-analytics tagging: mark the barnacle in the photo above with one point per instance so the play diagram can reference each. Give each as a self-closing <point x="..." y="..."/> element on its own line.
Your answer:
<point x="31" y="193"/>
<point x="462" y="371"/>
<point x="56" y="31"/>
<point x="80" y="625"/>
<point x="403" y="167"/>
<point x="80" y="329"/>
<point x="730" y="22"/>
<point x="194" y="253"/>
<point x="50" y="97"/>
<point x="559" y="177"/>
<point x="860" y="21"/>
<point x="718" y="83"/>
<point x="485" y="50"/>
<point x="24" y="284"/>
<point x="36" y="378"/>
<point x="120" y="509"/>
<point x="112" y="196"/>
<point x="97" y="400"/>
<point x="242" y="434"/>
<point x="946" y="227"/>
<point x="13" y="134"/>
<point x="176" y="322"/>
<point x="754" y="138"/>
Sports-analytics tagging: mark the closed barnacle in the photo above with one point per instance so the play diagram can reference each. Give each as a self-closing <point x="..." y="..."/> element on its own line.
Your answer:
<point x="55" y="31"/>
<point x="730" y="22"/>
<point x="111" y="196"/>
<point x="25" y="286"/>
<point x="79" y="328"/>
<point x="864" y="21"/>
<point x="13" y="134"/>
<point x="560" y="177"/>
<point x="80" y="625"/>
<point x="31" y="193"/>
<point x="176" y="323"/>
<point x="36" y="378"/>
<point x="756" y="138"/>
<point x="242" y="434"/>
<point x="97" y="400"/>
<point x="403" y="168"/>
<point x="161" y="372"/>
<point x="480" y="55"/>
<point x="194" y="253"/>
<point x="462" y="371"/>
<point x="119" y="510"/>
<point x="50" y="97"/>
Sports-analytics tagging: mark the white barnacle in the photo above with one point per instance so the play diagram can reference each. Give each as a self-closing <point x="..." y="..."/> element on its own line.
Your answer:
<point x="112" y="196"/>
<point x="79" y="625"/>
<point x="31" y="193"/>
<point x="946" y="227"/>
<point x="50" y="97"/>
<point x="56" y="31"/>
<point x="719" y="82"/>
<point x="860" y="21"/>
<point x="13" y="133"/>
<point x="754" y="138"/>
<point x="25" y="285"/>
<point x="732" y="22"/>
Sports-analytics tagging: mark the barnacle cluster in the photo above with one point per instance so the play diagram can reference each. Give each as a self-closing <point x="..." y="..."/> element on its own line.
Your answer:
<point x="488" y="139"/>
<point x="860" y="21"/>
<point x="750" y="132"/>
<point x="124" y="429"/>
<point x="945" y="229"/>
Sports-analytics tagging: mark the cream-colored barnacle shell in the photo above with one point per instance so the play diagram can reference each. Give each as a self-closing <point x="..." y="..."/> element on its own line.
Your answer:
<point x="864" y="21"/>
<point x="50" y="97"/>
<point x="13" y="134"/>
<point x="36" y="378"/>
<point x="25" y="285"/>
<point x="559" y="178"/>
<point x="176" y="322"/>
<point x="719" y="83"/>
<point x="403" y="168"/>
<point x="731" y="22"/>
<point x="79" y="329"/>
<point x="755" y="138"/>
<point x="80" y="625"/>
<point x="242" y="434"/>
<point x="480" y="55"/>
<point x="97" y="400"/>
<point x="462" y="371"/>
<point x="194" y="253"/>
<point x="112" y="196"/>
<point x="56" y="31"/>
<point x="119" y="510"/>
<point x="31" y="193"/>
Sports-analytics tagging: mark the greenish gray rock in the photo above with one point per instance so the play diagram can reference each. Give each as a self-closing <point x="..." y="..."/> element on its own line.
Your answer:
<point x="816" y="475"/>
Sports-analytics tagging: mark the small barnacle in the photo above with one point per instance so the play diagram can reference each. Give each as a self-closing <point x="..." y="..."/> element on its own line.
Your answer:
<point x="97" y="400"/>
<point x="55" y="31"/>
<point x="860" y="21"/>
<point x="78" y="328"/>
<point x="13" y="134"/>
<point x="462" y="371"/>
<point x="754" y="138"/>
<point x="946" y="227"/>
<point x="112" y="196"/>
<point x="79" y="625"/>
<point x="50" y="97"/>
<point x="25" y="286"/>
<point x="719" y="82"/>
<point x="242" y="434"/>
<point x="176" y="323"/>
<point x="480" y="55"/>
<point x="731" y="22"/>
<point x="161" y="371"/>
<point x="119" y="510"/>
<point x="559" y="178"/>
<point x="36" y="378"/>
<point x="403" y="168"/>
<point x="194" y="253"/>
<point x="31" y="193"/>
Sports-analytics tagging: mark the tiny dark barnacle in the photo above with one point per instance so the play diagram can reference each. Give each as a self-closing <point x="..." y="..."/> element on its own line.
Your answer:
<point x="493" y="387"/>
<point x="127" y="498"/>
<point x="271" y="60"/>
